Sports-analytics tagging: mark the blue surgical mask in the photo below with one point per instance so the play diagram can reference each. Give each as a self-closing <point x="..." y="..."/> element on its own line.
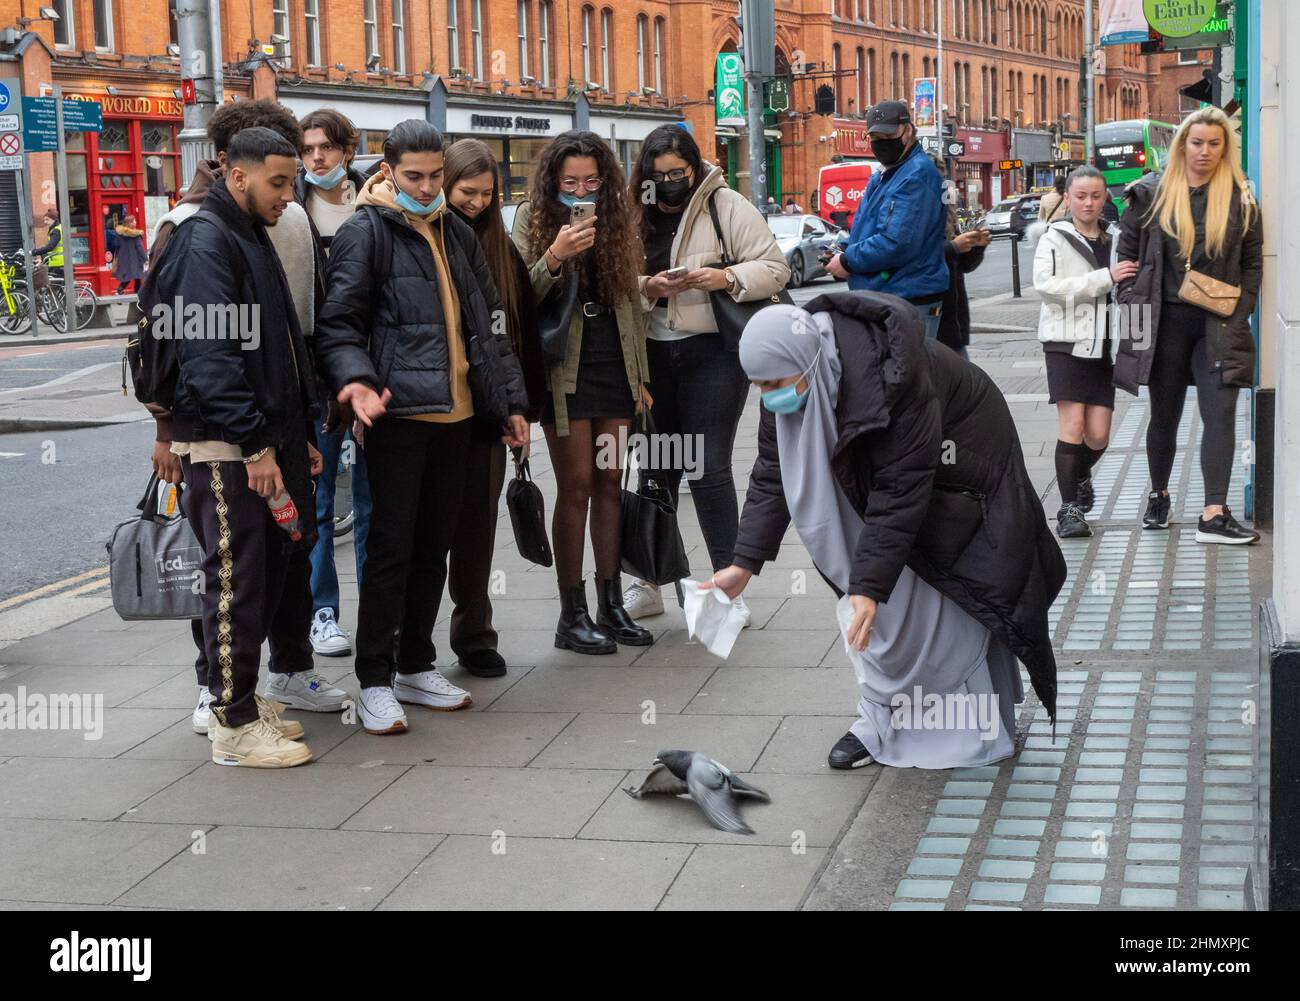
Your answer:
<point x="787" y="399"/>
<point x="409" y="204"/>
<point x="568" y="199"/>
<point x="327" y="182"/>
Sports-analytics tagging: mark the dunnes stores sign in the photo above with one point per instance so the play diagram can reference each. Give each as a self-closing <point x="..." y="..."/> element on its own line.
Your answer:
<point x="506" y="122"/>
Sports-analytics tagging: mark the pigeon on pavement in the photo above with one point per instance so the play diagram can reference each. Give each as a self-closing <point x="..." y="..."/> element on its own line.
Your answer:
<point x="710" y="783"/>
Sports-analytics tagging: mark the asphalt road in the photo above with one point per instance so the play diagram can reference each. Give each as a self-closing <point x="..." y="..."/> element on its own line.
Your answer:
<point x="33" y="365"/>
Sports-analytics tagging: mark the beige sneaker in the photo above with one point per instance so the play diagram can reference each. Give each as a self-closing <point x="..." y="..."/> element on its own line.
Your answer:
<point x="256" y="745"/>
<point x="269" y="710"/>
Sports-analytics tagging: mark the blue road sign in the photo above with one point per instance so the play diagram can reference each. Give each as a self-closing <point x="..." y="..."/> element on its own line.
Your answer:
<point x="5" y="97"/>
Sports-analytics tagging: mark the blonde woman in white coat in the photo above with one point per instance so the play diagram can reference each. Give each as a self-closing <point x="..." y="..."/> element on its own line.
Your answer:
<point x="1074" y="276"/>
<point x="696" y="380"/>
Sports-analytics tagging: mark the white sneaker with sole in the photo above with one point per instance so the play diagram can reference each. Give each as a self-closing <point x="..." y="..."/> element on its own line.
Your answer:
<point x="380" y="712"/>
<point x="739" y="602"/>
<point x="256" y="745"/>
<point x="643" y="599"/>
<point x="306" y="690"/>
<point x="269" y="711"/>
<point x="203" y="711"/>
<point x="430" y="689"/>
<point x="327" y="639"/>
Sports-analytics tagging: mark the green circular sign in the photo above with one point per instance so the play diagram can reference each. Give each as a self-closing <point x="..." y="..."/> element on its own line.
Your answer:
<point x="1178" y="18"/>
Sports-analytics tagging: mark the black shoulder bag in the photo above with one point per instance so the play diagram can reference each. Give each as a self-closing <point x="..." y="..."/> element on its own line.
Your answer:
<point x="528" y="515"/>
<point x="652" y="546"/>
<point x="731" y="316"/>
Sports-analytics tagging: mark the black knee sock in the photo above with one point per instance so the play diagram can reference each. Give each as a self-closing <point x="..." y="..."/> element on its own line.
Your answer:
<point x="1091" y="456"/>
<point x="1069" y="467"/>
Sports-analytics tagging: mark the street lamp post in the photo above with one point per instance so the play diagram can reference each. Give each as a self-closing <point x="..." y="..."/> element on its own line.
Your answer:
<point x="198" y="32"/>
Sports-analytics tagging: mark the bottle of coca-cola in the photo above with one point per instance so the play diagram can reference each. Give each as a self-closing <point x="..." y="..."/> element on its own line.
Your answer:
<point x="285" y="513"/>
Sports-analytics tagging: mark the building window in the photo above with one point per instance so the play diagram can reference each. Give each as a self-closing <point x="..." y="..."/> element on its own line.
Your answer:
<point x="399" y="37"/>
<point x="659" y="55"/>
<point x="544" y="42"/>
<point x="64" y="35"/>
<point x="280" y="25"/>
<point x="871" y="76"/>
<point x="371" y="28"/>
<point x="606" y="29"/>
<point x="861" y="82"/>
<point x="587" y="81"/>
<point x="1188" y="57"/>
<point x="521" y="21"/>
<point x="104" y="25"/>
<point x="453" y="36"/>
<point x="642" y="25"/>
<point x="893" y="76"/>
<point x="993" y="92"/>
<point x="311" y="15"/>
<point x="835" y="69"/>
<point x="476" y="36"/>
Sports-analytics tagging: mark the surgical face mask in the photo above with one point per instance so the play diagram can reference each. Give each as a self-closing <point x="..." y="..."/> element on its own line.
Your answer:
<point x="568" y="199"/>
<point x="887" y="151"/>
<point x="787" y="399"/>
<point x="327" y="182"/>
<point x="672" y="193"/>
<point x="409" y="204"/>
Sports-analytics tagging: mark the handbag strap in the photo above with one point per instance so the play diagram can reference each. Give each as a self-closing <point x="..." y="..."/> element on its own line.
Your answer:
<point x="717" y="228"/>
<point x="642" y="424"/>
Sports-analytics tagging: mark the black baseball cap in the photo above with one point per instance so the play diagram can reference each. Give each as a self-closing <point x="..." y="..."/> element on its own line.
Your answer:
<point x="887" y="116"/>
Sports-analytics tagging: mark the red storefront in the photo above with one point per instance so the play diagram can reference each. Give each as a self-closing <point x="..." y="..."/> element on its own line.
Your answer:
<point x="851" y="139"/>
<point x="978" y="179"/>
<point x="132" y="166"/>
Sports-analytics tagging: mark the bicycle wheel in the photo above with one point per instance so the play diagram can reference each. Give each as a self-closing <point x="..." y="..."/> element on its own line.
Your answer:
<point x="49" y="307"/>
<point x="20" y="318"/>
<point x="87" y="303"/>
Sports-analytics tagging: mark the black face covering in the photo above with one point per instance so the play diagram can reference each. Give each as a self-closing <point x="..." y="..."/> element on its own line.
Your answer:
<point x="672" y="193"/>
<point x="887" y="151"/>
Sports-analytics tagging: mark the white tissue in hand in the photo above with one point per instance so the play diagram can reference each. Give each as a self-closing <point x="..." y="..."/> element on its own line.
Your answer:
<point x="844" y="613"/>
<point x="711" y="617"/>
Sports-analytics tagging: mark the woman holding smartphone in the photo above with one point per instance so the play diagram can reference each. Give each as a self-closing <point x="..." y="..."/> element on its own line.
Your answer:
<point x="1194" y="225"/>
<point x="698" y="384"/>
<point x="472" y="183"/>
<point x="579" y="226"/>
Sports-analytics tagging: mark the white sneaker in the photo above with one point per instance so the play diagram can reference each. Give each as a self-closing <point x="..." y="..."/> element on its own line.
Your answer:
<point x="257" y="745"/>
<point x="739" y="602"/>
<point x="430" y="688"/>
<point x="306" y="690"/>
<point x="203" y="711"/>
<point x="380" y="712"/>
<point x="327" y="639"/>
<point x="643" y="599"/>
<point x="268" y="711"/>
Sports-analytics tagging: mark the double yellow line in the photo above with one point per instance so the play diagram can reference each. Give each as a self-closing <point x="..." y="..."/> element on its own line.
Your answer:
<point x="82" y="583"/>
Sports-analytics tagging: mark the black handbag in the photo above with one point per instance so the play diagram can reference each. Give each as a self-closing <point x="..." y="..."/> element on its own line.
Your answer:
<point x="729" y="315"/>
<point x="652" y="546"/>
<point x="528" y="516"/>
<point x="555" y="315"/>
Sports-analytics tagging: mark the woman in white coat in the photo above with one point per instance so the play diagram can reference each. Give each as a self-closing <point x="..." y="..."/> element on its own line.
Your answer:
<point x="1074" y="276"/>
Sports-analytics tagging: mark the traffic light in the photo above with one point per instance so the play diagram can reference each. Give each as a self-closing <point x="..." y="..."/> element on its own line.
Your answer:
<point x="824" y="102"/>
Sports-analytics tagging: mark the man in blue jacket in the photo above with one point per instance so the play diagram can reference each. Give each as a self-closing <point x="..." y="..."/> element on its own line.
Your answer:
<point x="896" y="244"/>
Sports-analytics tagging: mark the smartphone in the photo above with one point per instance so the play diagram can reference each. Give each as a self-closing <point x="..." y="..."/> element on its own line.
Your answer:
<point x="674" y="273"/>
<point x="581" y="210"/>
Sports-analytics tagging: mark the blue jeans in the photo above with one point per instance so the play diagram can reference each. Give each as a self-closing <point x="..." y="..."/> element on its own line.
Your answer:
<point x="324" y="577"/>
<point x="930" y="315"/>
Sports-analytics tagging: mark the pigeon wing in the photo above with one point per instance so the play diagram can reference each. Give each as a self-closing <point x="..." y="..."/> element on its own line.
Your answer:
<point x="708" y="787"/>
<point x="659" y="780"/>
<point x="742" y="788"/>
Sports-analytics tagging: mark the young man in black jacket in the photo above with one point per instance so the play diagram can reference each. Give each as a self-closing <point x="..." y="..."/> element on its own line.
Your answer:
<point x="244" y="395"/>
<point x="407" y="333"/>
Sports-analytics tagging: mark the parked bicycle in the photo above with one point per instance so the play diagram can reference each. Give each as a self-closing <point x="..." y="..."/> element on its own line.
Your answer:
<point x="15" y="298"/>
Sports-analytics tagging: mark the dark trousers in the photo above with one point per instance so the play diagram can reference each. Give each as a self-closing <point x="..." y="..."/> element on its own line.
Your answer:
<point x="290" y="629"/>
<point x="244" y="567"/>
<point x="469" y="567"/>
<point x="699" y="389"/>
<point x="417" y="473"/>
<point x="1183" y="358"/>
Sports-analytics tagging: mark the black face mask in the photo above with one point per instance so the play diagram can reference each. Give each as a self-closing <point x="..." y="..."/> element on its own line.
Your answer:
<point x="672" y="193"/>
<point x="887" y="151"/>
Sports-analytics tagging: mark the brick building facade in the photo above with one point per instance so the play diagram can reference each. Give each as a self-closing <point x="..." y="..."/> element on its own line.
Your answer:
<point x="517" y="72"/>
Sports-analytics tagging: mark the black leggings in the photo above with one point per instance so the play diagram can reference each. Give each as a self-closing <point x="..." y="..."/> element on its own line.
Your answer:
<point x="1183" y="358"/>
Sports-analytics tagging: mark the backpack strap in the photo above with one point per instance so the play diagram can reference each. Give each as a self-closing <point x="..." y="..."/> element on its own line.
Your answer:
<point x="1084" y="250"/>
<point x="236" y="255"/>
<point x="717" y="228"/>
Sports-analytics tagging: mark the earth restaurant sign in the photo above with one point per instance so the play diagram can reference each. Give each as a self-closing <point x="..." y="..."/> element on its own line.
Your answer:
<point x="1178" y="18"/>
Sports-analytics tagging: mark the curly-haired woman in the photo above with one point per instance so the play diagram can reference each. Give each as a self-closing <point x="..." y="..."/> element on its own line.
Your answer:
<point x="601" y="383"/>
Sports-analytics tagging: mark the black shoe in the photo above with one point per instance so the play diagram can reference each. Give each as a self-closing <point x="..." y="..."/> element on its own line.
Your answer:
<point x="612" y="617"/>
<point x="484" y="664"/>
<point x="848" y="752"/>
<point x="575" y="630"/>
<point x="1086" y="497"/>
<point x="1157" y="515"/>
<point x="1224" y="529"/>
<point x="1070" y="523"/>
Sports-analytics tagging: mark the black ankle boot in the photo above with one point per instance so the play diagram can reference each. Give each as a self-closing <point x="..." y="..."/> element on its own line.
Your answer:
<point x="612" y="617"/>
<point x="575" y="630"/>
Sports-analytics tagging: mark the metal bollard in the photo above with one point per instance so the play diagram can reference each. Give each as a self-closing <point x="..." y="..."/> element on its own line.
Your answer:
<point x="1015" y="265"/>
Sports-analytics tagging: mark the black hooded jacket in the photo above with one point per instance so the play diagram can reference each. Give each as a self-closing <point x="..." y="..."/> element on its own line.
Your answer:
<point x="252" y="393"/>
<point x="929" y="454"/>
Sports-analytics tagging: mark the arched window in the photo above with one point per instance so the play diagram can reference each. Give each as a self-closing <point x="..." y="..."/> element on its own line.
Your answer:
<point x="521" y="31"/>
<point x="660" y="79"/>
<point x="861" y="80"/>
<point x="606" y="31"/>
<point x="588" y="15"/>
<point x="545" y="25"/>
<point x="642" y="30"/>
<point x="836" y="82"/>
<point x="476" y="37"/>
<point x="871" y="76"/>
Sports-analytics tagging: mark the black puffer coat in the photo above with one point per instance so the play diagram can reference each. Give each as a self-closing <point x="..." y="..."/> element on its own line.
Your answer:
<point x="386" y="330"/>
<point x="930" y="455"/>
<point x="1231" y="343"/>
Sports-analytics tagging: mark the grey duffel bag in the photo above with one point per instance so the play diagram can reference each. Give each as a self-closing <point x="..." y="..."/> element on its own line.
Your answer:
<point x="155" y="563"/>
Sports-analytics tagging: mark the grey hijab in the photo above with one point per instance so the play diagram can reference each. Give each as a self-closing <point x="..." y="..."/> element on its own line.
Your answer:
<point x="781" y="341"/>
